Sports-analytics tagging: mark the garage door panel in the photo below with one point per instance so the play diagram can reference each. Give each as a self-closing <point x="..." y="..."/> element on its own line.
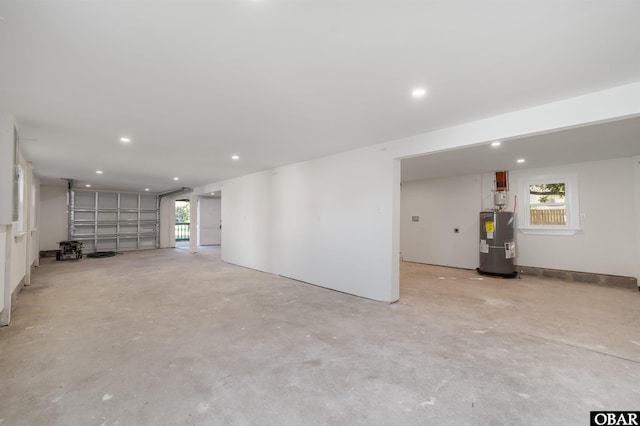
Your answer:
<point x="114" y="221"/>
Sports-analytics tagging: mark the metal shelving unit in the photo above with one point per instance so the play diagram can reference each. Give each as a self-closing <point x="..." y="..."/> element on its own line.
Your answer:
<point x="114" y="221"/>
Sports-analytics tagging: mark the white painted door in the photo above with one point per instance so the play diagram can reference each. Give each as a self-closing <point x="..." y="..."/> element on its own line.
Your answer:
<point x="209" y="217"/>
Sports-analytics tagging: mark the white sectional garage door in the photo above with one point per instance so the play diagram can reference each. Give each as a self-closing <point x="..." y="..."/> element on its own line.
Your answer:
<point x="113" y="221"/>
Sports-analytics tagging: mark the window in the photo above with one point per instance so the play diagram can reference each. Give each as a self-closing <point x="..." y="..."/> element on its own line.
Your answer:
<point x="18" y="212"/>
<point x="18" y="187"/>
<point x="17" y="178"/>
<point x="550" y="205"/>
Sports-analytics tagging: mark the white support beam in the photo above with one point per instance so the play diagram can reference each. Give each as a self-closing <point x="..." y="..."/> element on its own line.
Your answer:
<point x="5" y="253"/>
<point x="598" y="107"/>
<point x="193" y="227"/>
<point x="636" y="185"/>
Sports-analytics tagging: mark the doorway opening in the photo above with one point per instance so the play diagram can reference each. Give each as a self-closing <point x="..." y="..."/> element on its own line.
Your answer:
<point x="183" y="222"/>
<point x="210" y="219"/>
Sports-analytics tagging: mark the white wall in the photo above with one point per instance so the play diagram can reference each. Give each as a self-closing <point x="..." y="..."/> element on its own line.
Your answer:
<point x="17" y="251"/>
<point x="316" y="221"/>
<point x="34" y="219"/>
<point x="442" y="205"/>
<point x="54" y="221"/>
<point x="328" y="222"/>
<point x="18" y="259"/>
<point x="6" y="168"/>
<point x="6" y="212"/>
<point x="636" y="184"/>
<point x="167" y="222"/>
<point x="4" y="229"/>
<point x="607" y="242"/>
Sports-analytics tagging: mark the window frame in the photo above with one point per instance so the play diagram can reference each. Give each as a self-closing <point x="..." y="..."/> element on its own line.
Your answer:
<point x="572" y="205"/>
<point x="19" y="219"/>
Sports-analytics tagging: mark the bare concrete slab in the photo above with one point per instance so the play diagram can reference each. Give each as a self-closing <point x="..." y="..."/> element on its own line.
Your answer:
<point x="172" y="338"/>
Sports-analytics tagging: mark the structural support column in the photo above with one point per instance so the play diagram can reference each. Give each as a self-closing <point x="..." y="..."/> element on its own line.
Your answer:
<point x="28" y="225"/>
<point x="395" y="231"/>
<point x="193" y="227"/>
<point x="7" y="159"/>
<point x="636" y="186"/>
<point x="5" y="279"/>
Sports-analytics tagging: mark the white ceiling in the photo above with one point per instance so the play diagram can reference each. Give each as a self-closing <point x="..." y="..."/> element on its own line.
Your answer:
<point x="280" y="81"/>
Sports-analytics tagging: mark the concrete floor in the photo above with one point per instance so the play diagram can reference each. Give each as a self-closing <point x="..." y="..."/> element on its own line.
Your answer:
<point x="165" y="337"/>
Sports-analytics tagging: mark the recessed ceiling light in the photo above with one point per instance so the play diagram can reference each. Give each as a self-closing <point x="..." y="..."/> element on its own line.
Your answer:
<point x="125" y="139"/>
<point x="88" y="186"/>
<point x="419" y="92"/>
<point x="176" y="178"/>
<point x="520" y="160"/>
<point x="496" y="143"/>
<point x="213" y="193"/>
<point x="98" y="172"/>
<point x="146" y="189"/>
<point x="235" y="157"/>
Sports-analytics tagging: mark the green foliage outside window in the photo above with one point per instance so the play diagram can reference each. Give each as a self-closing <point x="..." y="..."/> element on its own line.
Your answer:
<point x="543" y="192"/>
<point x="182" y="212"/>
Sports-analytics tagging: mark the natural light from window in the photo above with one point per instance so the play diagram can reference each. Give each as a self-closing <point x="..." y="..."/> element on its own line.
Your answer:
<point x="547" y="204"/>
<point x="550" y="204"/>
